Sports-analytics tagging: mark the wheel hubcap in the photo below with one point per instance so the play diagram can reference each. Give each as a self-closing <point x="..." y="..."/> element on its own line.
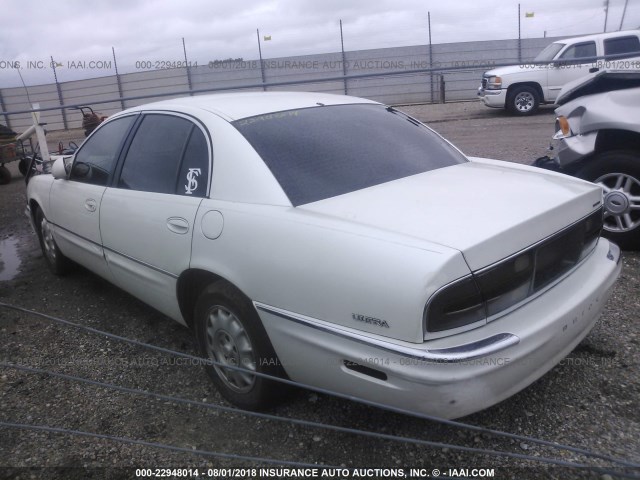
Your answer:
<point x="47" y="240"/>
<point x="229" y="344"/>
<point x="621" y="201"/>
<point x="524" y="101"/>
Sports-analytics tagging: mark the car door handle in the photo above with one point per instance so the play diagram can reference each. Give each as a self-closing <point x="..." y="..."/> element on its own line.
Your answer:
<point x="593" y="70"/>
<point x="90" y="204"/>
<point x="178" y="225"/>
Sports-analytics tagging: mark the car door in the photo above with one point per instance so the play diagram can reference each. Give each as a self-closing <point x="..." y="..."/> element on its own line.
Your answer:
<point x="571" y="64"/>
<point x="147" y="215"/>
<point x="75" y="201"/>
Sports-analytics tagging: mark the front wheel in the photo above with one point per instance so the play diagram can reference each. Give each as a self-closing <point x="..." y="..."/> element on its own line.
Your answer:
<point x="229" y="331"/>
<point x="618" y="173"/>
<point x="523" y="100"/>
<point x="56" y="261"/>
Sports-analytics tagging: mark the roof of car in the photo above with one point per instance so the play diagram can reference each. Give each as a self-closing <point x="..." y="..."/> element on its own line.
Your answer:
<point x="585" y="38"/>
<point x="234" y="106"/>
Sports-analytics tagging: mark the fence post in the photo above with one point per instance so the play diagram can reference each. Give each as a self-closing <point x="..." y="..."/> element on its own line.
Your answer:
<point x="442" y="89"/>
<point x="519" y="38"/>
<point x="64" y="114"/>
<point x="344" y="59"/>
<point x="430" y="56"/>
<point x="264" y="81"/>
<point x="4" y="111"/>
<point x="118" y="81"/>
<point x="187" y="66"/>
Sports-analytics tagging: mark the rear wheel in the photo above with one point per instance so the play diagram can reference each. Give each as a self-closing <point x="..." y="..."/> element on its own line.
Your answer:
<point x="229" y="331"/>
<point x="56" y="261"/>
<point x="523" y="100"/>
<point x="618" y="173"/>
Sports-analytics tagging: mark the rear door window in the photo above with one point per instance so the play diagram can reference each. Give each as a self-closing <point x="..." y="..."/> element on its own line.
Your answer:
<point x="169" y="154"/>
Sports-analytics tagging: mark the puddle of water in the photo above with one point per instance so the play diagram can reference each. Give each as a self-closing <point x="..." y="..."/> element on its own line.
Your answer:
<point x="9" y="260"/>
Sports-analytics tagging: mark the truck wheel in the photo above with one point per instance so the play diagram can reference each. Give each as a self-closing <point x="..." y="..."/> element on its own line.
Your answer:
<point x="618" y="173"/>
<point x="5" y="175"/>
<point x="56" y="261"/>
<point x="523" y="100"/>
<point x="228" y="330"/>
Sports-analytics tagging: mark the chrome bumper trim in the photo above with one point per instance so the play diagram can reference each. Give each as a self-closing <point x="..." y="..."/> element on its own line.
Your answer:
<point x="459" y="353"/>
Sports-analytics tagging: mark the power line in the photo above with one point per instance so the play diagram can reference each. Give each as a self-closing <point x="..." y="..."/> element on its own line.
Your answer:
<point x="307" y="423"/>
<point x="163" y="446"/>
<point x="329" y="392"/>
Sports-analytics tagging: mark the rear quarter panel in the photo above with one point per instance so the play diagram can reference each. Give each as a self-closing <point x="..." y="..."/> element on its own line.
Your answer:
<point x="326" y="269"/>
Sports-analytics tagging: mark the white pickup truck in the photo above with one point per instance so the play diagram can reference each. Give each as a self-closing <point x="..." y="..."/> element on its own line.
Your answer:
<point x="522" y="88"/>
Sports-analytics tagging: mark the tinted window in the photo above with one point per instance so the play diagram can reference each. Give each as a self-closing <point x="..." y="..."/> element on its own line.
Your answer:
<point x="153" y="160"/>
<point x="95" y="160"/>
<point x="194" y="172"/>
<point x="321" y="152"/>
<point x="580" y="50"/>
<point x="615" y="46"/>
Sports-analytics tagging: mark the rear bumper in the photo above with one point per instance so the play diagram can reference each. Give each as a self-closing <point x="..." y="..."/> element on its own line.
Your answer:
<point x="540" y="334"/>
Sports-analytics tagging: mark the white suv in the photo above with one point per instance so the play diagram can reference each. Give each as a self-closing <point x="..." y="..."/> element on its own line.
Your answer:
<point x="522" y="88"/>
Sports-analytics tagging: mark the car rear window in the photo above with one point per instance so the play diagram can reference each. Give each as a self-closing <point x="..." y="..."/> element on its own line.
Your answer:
<point x="321" y="152"/>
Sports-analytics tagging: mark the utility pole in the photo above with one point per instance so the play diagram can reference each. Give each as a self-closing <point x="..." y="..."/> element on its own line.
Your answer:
<point x="606" y="14"/>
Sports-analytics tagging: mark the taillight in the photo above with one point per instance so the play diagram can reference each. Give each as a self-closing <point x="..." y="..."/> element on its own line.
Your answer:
<point x="506" y="284"/>
<point x="456" y="305"/>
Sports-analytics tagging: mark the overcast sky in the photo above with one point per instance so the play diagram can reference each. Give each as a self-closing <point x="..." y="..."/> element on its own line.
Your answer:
<point x="150" y="30"/>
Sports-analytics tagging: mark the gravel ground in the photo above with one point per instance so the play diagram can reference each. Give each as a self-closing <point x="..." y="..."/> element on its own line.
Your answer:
<point x="590" y="400"/>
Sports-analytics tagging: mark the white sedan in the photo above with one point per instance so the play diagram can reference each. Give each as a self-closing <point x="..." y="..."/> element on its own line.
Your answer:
<point x="336" y="242"/>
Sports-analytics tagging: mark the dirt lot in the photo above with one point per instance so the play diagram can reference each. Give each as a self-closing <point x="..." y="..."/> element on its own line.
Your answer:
<point x="589" y="401"/>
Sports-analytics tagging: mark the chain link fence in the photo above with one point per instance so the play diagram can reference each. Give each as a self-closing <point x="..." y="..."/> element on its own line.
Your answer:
<point x="385" y="74"/>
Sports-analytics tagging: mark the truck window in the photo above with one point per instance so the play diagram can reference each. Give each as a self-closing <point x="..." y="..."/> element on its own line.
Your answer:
<point x="580" y="50"/>
<point x="616" y="46"/>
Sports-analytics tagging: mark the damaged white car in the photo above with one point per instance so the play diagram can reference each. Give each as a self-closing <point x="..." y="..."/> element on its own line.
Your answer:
<point x="598" y="139"/>
<point x="334" y="241"/>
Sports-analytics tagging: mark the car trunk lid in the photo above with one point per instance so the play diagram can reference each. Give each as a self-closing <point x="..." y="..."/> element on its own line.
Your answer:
<point x="486" y="209"/>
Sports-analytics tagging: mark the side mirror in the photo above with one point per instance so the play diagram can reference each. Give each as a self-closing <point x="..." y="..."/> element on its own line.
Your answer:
<point x="58" y="169"/>
<point x="80" y="170"/>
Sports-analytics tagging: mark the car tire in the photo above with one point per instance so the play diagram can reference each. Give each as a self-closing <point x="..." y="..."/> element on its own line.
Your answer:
<point x="56" y="261"/>
<point x="523" y="100"/>
<point x="229" y="331"/>
<point x="618" y="172"/>
<point x="5" y="175"/>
